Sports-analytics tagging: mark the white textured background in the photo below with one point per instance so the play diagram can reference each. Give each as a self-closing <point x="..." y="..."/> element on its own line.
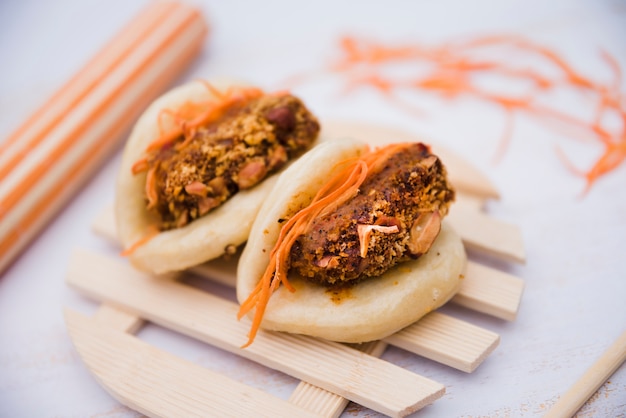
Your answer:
<point x="574" y="305"/>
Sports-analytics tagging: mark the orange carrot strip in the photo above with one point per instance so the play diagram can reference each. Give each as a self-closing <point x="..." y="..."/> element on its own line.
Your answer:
<point x="613" y="156"/>
<point x="140" y="166"/>
<point x="210" y="87"/>
<point x="151" y="190"/>
<point x="193" y="115"/>
<point x="151" y="232"/>
<point x="506" y="135"/>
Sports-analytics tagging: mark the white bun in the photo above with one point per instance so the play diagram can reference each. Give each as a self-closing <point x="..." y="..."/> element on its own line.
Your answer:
<point x="371" y="310"/>
<point x="201" y="240"/>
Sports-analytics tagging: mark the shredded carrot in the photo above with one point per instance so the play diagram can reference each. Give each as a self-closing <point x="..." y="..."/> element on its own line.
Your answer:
<point x="191" y="115"/>
<point x="151" y="232"/>
<point x="453" y="70"/>
<point x="613" y="156"/>
<point x="186" y="119"/>
<point x="140" y="166"/>
<point x="151" y="189"/>
<point x="341" y="187"/>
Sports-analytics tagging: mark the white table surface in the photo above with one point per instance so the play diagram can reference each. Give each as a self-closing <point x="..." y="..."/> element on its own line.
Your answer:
<point x="574" y="304"/>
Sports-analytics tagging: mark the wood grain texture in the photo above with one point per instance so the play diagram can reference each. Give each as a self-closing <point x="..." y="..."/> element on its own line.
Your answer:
<point x="483" y="233"/>
<point x="331" y="374"/>
<point x="327" y="403"/>
<point x="591" y="381"/>
<point x="447" y="340"/>
<point x="337" y="368"/>
<point x="160" y="384"/>
<point x="118" y="318"/>
<point x="490" y="291"/>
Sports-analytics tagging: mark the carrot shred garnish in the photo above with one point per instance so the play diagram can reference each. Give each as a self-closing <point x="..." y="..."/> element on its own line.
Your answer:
<point x="191" y="115"/>
<point x="217" y="93"/>
<point x="151" y="232"/>
<point x="140" y="166"/>
<point x="151" y="189"/>
<point x="341" y="187"/>
<point x="613" y="156"/>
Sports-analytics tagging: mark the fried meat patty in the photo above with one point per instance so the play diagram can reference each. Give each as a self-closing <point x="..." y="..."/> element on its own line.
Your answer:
<point x="246" y="144"/>
<point x="394" y="217"/>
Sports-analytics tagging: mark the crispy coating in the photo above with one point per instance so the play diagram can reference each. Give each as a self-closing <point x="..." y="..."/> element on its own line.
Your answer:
<point x="387" y="209"/>
<point x="233" y="153"/>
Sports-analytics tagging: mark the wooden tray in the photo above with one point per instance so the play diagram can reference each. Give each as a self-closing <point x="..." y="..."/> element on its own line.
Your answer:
<point x="157" y="383"/>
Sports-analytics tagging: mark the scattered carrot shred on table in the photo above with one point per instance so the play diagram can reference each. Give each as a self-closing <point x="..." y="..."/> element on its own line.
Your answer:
<point x="341" y="187"/>
<point x="452" y="70"/>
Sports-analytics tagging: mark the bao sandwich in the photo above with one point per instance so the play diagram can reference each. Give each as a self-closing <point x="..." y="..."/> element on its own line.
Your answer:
<point x="197" y="166"/>
<point x="351" y="245"/>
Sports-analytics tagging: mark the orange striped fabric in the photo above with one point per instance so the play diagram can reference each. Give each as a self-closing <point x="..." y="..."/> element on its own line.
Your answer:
<point x="57" y="149"/>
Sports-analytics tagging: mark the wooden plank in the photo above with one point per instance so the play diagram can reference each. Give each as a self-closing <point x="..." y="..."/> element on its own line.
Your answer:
<point x="326" y="403"/>
<point x="490" y="291"/>
<point x="221" y="270"/>
<point x="469" y="201"/>
<point x="104" y="225"/>
<point x="90" y="281"/>
<point x="308" y="396"/>
<point x="447" y="340"/>
<point x="482" y="233"/>
<point x="591" y="381"/>
<point x="160" y="384"/>
<point x="359" y="377"/>
<point x="118" y="318"/>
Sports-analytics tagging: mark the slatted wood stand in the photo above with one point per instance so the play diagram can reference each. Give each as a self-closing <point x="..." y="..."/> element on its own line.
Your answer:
<point x="157" y="383"/>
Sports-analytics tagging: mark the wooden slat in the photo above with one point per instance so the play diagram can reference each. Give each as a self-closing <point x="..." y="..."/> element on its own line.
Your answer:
<point x="485" y="290"/>
<point x="362" y="378"/>
<point x="469" y="201"/>
<point x="326" y="403"/>
<point x="490" y="291"/>
<point x="447" y="340"/>
<point x="91" y="281"/>
<point x="160" y="384"/>
<point x="590" y="382"/>
<point x="485" y="234"/>
<point x="305" y="395"/>
<point x="118" y="318"/>
<point x="221" y="270"/>
<point x="104" y="225"/>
